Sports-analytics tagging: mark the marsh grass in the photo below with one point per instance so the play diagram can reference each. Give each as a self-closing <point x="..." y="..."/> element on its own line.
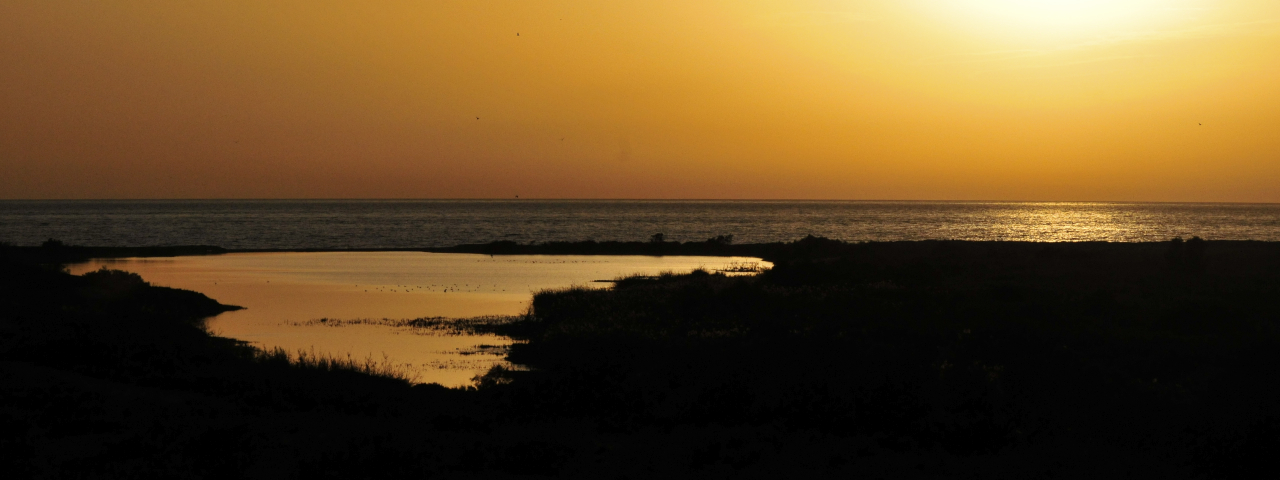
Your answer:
<point x="901" y="360"/>
<point x="482" y="325"/>
<point x="742" y="268"/>
<point x="309" y="359"/>
<point x="969" y="348"/>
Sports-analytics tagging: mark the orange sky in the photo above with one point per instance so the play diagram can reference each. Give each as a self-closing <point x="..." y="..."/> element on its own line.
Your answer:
<point x="822" y="99"/>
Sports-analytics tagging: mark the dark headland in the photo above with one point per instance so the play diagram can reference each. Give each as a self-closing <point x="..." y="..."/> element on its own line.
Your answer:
<point x="934" y="359"/>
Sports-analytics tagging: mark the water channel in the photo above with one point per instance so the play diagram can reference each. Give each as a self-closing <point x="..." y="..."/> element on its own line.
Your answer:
<point x="362" y="295"/>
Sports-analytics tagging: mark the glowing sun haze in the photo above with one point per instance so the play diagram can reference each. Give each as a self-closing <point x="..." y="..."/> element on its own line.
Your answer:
<point x="1068" y="17"/>
<point x="1154" y="100"/>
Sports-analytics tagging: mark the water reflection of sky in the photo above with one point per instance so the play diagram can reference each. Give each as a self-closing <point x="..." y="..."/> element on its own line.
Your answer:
<point x="283" y="292"/>
<point x="424" y="223"/>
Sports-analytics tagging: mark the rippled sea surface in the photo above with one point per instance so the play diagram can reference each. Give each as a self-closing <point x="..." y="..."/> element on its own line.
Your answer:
<point x="433" y="223"/>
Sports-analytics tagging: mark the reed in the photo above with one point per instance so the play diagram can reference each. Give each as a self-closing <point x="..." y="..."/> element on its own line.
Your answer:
<point x="309" y="359"/>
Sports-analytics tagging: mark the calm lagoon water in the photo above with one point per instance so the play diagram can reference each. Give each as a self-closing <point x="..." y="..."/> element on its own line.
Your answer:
<point x="285" y="292"/>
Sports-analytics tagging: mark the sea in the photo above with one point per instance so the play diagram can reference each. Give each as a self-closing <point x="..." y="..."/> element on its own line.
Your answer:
<point x="372" y="224"/>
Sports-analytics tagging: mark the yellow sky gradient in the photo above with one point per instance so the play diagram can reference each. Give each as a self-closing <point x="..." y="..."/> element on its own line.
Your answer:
<point x="808" y="99"/>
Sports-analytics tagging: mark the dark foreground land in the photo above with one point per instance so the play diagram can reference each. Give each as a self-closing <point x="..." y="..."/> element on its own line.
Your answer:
<point x="905" y="360"/>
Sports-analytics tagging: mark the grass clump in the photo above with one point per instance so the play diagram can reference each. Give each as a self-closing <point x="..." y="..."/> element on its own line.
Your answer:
<point x="308" y="359"/>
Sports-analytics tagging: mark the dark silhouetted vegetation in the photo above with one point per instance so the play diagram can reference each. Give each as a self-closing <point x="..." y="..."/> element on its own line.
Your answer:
<point x="53" y="251"/>
<point x="902" y="359"/>
<point x="1030" y="359"/>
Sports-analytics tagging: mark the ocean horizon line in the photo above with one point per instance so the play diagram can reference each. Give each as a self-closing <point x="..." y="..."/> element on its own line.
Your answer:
<point x="639" y="200"/>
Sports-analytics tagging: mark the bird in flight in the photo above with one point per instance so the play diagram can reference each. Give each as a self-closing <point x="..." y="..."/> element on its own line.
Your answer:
<point x="477" y="118"/>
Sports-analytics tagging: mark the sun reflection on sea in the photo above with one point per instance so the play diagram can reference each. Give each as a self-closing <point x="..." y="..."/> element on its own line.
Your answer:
<point x="1056" y="222"/>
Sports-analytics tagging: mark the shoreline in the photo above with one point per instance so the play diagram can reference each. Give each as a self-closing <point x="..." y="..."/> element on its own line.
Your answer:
<point x="63" y="254"/>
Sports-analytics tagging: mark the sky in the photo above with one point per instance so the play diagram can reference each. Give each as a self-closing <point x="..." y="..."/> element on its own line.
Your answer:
<point x="1054" y="100"/>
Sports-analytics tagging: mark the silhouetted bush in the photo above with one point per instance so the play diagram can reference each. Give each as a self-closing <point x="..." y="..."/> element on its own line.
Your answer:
<point x="721" y="240"/>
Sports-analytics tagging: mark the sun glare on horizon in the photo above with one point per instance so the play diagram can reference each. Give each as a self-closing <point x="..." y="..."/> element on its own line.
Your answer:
<point x="1064" y="18"/>
<point x="1155" y="100"/>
